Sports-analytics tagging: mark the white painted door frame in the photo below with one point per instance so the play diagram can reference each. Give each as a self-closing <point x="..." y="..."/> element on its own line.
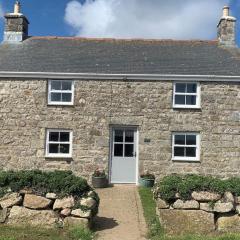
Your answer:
<point x="124" y="127"/>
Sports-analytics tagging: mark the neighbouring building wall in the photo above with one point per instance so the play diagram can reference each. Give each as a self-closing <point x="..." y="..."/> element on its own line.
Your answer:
<point x="25" y="116"/>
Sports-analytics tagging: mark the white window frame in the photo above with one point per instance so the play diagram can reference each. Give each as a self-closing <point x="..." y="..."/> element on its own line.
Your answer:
<point x="194" y="159"/>
<point x="58" y="155"/>
<point x="197" y="94"/>
<point x="50" y="102"/>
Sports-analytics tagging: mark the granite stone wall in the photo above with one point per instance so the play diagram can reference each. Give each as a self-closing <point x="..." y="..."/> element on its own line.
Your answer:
<point x="25" y="116"/>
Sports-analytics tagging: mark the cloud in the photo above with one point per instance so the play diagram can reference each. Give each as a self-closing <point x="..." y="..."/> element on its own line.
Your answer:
<point x="189" y="19"/>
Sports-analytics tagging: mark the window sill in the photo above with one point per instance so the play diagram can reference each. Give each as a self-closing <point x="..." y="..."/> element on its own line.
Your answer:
<point x="59" y="157"/>
<point x="60" y="104"/>
<point x="189" y="107"/>
<point x="186" y="160"/>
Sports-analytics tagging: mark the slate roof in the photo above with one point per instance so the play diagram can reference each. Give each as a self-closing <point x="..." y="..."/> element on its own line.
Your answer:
<point x="81" y="55"/>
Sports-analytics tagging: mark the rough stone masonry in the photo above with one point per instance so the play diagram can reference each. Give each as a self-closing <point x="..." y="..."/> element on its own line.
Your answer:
<point x="25" y="116"/>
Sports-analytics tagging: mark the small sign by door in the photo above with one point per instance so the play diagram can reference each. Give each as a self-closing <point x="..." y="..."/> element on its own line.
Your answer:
<point x="123" y="155"/>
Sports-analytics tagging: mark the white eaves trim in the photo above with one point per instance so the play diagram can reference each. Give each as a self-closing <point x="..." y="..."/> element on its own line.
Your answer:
<point x="127" y="77"/>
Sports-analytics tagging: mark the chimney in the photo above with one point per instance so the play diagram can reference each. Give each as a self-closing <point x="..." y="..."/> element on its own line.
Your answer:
<point x="226" y="29"/>
<point x="16" y="25"/>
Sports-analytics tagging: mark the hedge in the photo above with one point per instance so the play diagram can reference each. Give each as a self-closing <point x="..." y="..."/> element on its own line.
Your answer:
<point x="62" y="183"/>
<point x="184" y="185"/>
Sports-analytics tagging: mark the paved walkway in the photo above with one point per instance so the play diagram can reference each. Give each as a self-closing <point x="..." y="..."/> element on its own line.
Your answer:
<point x="120" y="214"/>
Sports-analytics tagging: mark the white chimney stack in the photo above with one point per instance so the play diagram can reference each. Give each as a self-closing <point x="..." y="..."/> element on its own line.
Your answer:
<point x="226" y="29"/>
<point x="16" y="25"/>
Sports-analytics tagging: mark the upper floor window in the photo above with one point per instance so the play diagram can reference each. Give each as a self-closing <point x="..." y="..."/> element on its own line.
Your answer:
<point x="60" y="92"/>
<point x="58" y="143"/>
<point x="186" y="95"/>
<point x="186" y="146"/>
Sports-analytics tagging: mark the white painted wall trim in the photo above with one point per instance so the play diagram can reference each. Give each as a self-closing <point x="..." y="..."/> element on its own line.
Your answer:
<point x="127" y="77"/>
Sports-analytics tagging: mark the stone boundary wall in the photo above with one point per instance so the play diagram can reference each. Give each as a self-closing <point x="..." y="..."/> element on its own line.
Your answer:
<point x="204" y="213"/>
<point x="26" y="208"/>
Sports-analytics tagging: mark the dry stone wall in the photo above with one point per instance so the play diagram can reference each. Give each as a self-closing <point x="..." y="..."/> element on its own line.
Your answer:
<point x="26" y="208"/>
<point x="98" y="105"/>
<point x="205" y="213"/>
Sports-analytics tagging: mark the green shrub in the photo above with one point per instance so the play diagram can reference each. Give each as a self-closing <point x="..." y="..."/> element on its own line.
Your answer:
<point x="169" y="186"/>
<point x="62" y="183"/>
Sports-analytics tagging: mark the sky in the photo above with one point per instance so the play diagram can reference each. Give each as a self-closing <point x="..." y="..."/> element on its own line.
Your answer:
<point x="154" y="19"/>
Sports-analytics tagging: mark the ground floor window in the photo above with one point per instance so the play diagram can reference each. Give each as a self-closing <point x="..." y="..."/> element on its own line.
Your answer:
<point x="58" y="143"/>
<point x="186" y="146"/>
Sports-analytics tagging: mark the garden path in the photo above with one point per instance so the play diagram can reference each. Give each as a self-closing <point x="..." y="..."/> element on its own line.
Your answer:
<point x="120" y="214"/>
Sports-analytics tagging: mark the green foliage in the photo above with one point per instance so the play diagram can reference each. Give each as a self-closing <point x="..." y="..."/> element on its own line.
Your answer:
<point x="169" y="186"/>
<point x="81" y="233"/>
<point x="33" y="233"/>
<point x="62" y="183"/>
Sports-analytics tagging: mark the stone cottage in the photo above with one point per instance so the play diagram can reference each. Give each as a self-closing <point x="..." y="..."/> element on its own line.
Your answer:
<point x="126" y="105"/>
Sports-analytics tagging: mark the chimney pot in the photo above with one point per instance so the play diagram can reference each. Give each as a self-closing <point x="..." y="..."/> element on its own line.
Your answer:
<point x="226" y="11"/>
<point x="17" y="8"/>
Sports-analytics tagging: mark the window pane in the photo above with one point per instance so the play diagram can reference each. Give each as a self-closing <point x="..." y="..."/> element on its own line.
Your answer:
<point x="190" y="152"/>
<point x="54" y="136"/>
<point x="191" y="140"/>
<point x="191" y="88"/>
<point x="178" y="151"/>
<point x="66" y="97"/>
<point x="64" y="148"/>
<point x="180" y="99"/>
<point x="118" y="136"/>
<point x="53" y="148"/>
<point x="66" y="85"/>
<point x="129" y="136"/>
<point x="56" y="97"/>
<point x="181" y="87"/>
<point x="118" y="150"/>
<point x="64" y="137"/>
<point x="129" y="150"/>
<point x="191" y="100"/>
<point x="180" y="139"/>
<point x="56" y="85"/>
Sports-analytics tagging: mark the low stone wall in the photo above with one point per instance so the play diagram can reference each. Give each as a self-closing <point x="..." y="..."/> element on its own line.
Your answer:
<point x="26" y="208"/>
<point x="204" y="213"/>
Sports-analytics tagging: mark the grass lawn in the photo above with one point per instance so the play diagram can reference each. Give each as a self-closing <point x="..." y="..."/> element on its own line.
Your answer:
<point x="20" y="233"/>
<point x="155" y="232"/>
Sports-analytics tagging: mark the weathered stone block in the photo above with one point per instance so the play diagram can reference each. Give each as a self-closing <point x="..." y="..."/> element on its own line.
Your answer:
<point x="228" y="223"/>
<point x="66" y="212"/>
<point x="74" y="221"/>
<point x="206" y="207"/>
<point x="24" y="216"/>
<point x="36" y="202"/>
<point x="205" y="196"/>
<point x="51" y="196"/>
<point x="10" y="200"/>
<point x="67" y="202"/>
<point x="88" y="202"/>
<point x="3" y="215"/>
<point x="82" y="214"/>
<point x="228" y="197"/>
<point x="161" y="204"/>
<point x="221" y="207"/>
<point x="180" y="204"/>
<point x="177" y="222"/>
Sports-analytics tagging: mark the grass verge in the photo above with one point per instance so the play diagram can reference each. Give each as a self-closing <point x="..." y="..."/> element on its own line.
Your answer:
<point x="155" y="231"/>
<point x="23" y="233"/>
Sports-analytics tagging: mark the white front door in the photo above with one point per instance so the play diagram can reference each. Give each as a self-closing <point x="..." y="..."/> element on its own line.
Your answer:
<point x="123" y="155"/>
